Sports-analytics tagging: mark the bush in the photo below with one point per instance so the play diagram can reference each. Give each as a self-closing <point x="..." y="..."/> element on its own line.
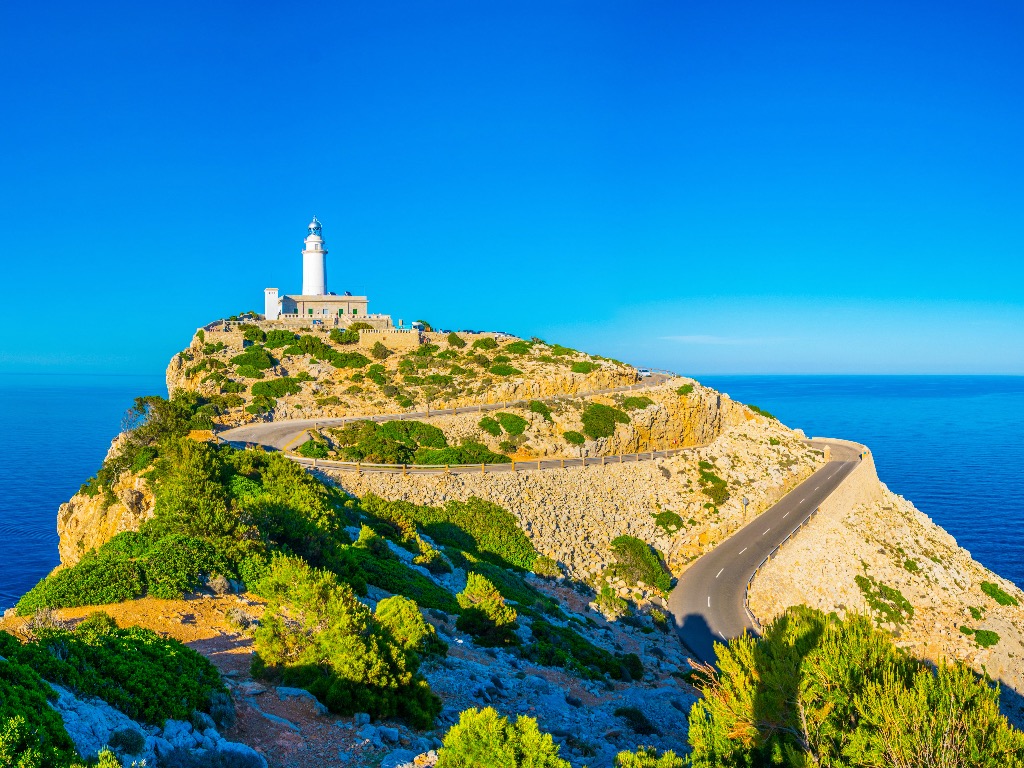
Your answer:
<point x="512" y="424"/>
<point x="556" y="646"/>
<point x="285" y="385"/>
<point x="254" y="357"/>
<point x="249" y="372"/>
<point x="127" y="741"/>
<point x="454" y="340"/>
<point x="397" y="578"/>
<point x="636" y="403"/>
<point x="637" y="721"/>
<point x="490" y="426"/>
<point x="279" y="338"/>
<point x="684" y="390"/>
<point x="636" y="561"/>
<point x="600" y="420"/>
<point x="252" y="333"/>
<point x="316" y="635"/>
<point x="574" y="438"/>
<point x="986" y="638"/>
<point x="519" y="347"/>
<point x="149" y="678"/>
<point x="996" y="593"/>
<point x="485" y="343"/>
<point x="475" y="525"/>
<point x="313" y="449"/>
<point x="402" y="618"/>
<point x="842" y="690"/>
<point x="484" y="739"/>
<point x="380" y="352"/>
<point x="584" y="367"/>
<point x="467" y="453"/>
<point x="347" y="336"/>
<point x="647" y="757"/>
<point x="714" y="487"/>
<point x="668" y="521"/>
<point x="536" y="406"/>
<point x="546" y="566"/>
<point x="28" y="724"/>
<point x="175" y="565"/>
<point x="94" y="580"/>
<point x="485" y="614"/>
<point x="503" y="369"/>
<point x="887" y="603"/>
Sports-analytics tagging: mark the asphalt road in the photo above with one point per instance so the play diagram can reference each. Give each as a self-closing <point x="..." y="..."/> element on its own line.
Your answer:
<point x="707" y="602"/>
<point x="280" y="434"/>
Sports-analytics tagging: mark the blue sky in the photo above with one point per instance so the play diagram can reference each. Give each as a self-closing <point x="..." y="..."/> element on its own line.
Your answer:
<point x="743" y="188"/>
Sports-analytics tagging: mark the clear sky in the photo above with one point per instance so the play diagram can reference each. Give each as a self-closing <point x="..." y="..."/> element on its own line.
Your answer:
<point x="711" y="187"/>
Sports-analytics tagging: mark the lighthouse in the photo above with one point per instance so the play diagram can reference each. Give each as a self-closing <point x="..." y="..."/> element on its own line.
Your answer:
<point x="314" y="262"/>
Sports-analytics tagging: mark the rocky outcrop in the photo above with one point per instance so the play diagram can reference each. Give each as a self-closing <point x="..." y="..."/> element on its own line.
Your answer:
<point x="85" y="522"/>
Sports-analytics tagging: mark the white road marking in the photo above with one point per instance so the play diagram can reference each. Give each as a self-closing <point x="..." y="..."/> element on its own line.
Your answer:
<point x="743" y="550"/>
<point x="766" y="532"/>
<point x="722" y="636"/>
<point x="802" y="500"/>
<point x="785" y="516"/>
<point x="709" y="601"/>
<point x="719" y="573"/>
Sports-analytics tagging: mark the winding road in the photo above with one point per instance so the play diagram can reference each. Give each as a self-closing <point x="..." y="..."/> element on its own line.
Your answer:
<point x="708" y="602"/>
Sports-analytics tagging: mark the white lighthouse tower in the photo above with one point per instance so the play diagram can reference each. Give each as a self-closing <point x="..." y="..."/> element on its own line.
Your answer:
<point x="314" y="262"/>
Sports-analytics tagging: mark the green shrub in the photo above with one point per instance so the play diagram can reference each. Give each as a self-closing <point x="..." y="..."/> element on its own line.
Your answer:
<point x="520" y="347"/>
<point x="714" y="487"/>
<point x="502" y="359"/>
<point x="127" y="741"/>
<point x="574" y="438"/>
<point x="996" y="593"/>
<point x="871" y="703"/>
<point x="285" y="385"/>
<point x="636" y="403"/>
<point x="485" y="614"/>
<point x="315" y="634"/>
<point x="503" y="369"/>
<point x="474" y="525"/>
<point x="647" y="757"/>
<point x="584" y="367"/>
<point x="397" y="578"/>
<point x="28" y="724"/>
<point x="175" y="565"/>
<point x="278" y="338"/>
<point x="454" y="340"/>
<point x="149" y="678"/>
<point x="485" y="343"/>
<point x="254" y="357"/>
<point x="684" y="390"/>
<point x="346" y="336"/>
<point x="636" y="561"/>
<point x="637" y="721"/>
<point x="559" y="351"/>
<point x="252" y="333"/>
<point x="911" y="565"/>
<point x="511" y="423"/>
<point x="600" y="420"/>
<point x="490" y="426"/>
<point x="484" y="739"/>
<point x="468" y="453"/>
<point x="380" y="352"/>
<point x="249" y="372"/>
<point x="94" y="580"/>
<point x="976" y="612"/>
<point x="774" y="441"/>
<point x="402" y="618"/>
<point x="546" y="566"/>
<point x="668" y="521"/>
<point x="536" y="406"/>
<point x="433" y="561"/>
<point x="887" y="603"/>
<point x="986" y="638"/>
<point x="556" y="646"/>
<point x="313" y="449"/>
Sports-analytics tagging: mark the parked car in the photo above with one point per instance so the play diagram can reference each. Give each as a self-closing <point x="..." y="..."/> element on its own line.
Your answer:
<point x="644" y="373"/>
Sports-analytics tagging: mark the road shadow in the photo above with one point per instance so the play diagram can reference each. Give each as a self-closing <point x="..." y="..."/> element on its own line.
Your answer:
<point x="696" y="636"/>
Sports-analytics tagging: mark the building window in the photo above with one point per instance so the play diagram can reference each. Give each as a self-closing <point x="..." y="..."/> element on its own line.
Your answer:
<point x="355" y="311"/>
<point x="311" y="311"/>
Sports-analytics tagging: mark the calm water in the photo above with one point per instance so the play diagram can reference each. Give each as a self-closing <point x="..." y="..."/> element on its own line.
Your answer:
<point x="57" y="431"/>
<point x="952" y="445"/>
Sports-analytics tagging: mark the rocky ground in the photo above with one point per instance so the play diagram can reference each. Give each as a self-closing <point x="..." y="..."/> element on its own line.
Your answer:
<point x="879" y="535"/>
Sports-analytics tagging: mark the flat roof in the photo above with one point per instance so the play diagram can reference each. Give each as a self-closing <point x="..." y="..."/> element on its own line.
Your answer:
<point x="323" y="297"/>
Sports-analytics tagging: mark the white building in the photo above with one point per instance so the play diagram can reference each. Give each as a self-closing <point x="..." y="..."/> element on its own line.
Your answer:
<point x="315" y="303"/>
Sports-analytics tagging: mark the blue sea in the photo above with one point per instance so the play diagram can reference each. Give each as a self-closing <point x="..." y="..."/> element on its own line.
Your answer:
<point x="954" y="445"/>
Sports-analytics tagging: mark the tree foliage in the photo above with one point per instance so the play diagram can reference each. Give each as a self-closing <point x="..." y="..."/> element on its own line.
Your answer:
<point x="484" y="739"/>
<point x="817" y="691"/>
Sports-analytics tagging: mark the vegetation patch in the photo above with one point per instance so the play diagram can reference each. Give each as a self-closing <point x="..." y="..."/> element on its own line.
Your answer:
<point x="484" y="739"/>
<point x="485" y="614"/>
<point x="684" y="390"/>
<point x="886" y="603"/>
<point x="520" y="347"/>
<point x="636" y="403"/>
<point x="563" y="647"/>
<point x="761" y="412"/>
<point x="454" y="340"/>
<point x="504" y="369"/>
<point x="536" y="406"/>
<point x="147" y="677"/>
<point x="637" y="721"/>
<point x="600" y="420"/>
<point x="998" y="594"/>
<point x="255" y="357"/>
<point x="714" y="487"/>
<point x="512" y="423"/>
<point x="574" y="438"/>
<point x="637" y="561"/>
<point x="485" y="343"/>
<point x="490" y="426"/>
<point x="668" y="521"/>
<point x="584" y="367"/>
